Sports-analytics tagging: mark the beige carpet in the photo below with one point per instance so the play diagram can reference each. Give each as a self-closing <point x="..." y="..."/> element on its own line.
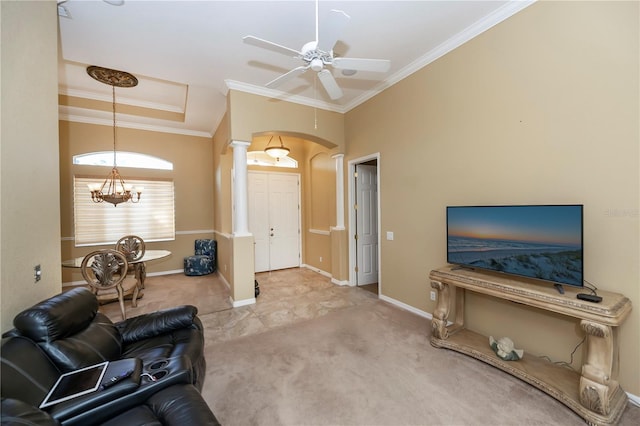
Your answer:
<point x="367" y="365"/>
<point x="312" y="353"/>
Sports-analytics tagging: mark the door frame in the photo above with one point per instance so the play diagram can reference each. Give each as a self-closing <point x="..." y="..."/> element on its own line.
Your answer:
<point x="353" y="278"/>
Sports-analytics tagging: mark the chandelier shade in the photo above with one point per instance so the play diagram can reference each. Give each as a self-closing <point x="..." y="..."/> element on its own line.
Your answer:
<point x="113" y="190"/>
<point x="276" y="151"/>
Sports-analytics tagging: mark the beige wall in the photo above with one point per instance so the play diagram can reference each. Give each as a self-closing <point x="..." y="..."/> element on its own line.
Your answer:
<point x="192" y="175"/>
<point x="29" y="185"/>
<point x="542" y="108"/>
<point x="320" y="209"/>
<point x="252" y="114"/>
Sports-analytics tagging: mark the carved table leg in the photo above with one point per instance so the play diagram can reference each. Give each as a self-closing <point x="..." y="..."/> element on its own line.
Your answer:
<point x="446" y="295"/>
<point x="597" y="384"/>
<point x="441" y="312"/>
<point x="140" y="274"/>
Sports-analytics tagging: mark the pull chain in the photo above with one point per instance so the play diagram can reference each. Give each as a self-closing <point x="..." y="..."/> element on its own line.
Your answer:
<point x="113" y="92"/>
<point x="315" y="104"/>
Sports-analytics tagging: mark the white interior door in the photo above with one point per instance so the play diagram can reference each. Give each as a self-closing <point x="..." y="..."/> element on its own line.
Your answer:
<point x="367" y="224"/>
<point x="274" y="219"/>
<point x="258" y="193"/>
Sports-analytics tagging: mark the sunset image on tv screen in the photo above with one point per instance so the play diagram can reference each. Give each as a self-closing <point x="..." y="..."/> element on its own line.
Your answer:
<point x="543" y="242"/>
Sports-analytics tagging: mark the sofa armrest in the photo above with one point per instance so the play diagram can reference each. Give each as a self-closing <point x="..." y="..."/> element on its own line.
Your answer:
<point x="16" y="412"/>
<point x="157" y="323"/>
<point x="66" y="411"/>
<point x="176" y="405"/>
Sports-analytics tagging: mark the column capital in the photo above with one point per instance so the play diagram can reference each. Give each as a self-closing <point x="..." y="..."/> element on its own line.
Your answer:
<point x="336" y="156"/>
<point x="239" y="144"/>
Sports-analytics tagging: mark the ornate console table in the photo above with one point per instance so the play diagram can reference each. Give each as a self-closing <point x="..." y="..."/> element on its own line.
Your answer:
<point x="594" y="394"/>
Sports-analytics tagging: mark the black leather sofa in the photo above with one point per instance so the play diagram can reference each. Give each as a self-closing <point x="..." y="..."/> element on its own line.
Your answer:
<point x="163" y="352"/>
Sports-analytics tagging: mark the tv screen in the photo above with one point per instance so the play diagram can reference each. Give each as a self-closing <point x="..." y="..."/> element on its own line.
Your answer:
<point x="542" y="242"/>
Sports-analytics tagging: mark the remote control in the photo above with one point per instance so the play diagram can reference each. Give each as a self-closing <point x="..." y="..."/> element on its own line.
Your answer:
<point x="589" y="297"/>
<point x="115" y="379"/>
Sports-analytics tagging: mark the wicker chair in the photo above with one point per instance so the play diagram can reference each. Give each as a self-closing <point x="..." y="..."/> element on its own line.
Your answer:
<point x="106" y="271"/>
<point x="133" y="248"/>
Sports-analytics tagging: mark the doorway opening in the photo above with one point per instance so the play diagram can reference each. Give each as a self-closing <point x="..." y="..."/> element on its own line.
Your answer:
<point x="364" y="223"/>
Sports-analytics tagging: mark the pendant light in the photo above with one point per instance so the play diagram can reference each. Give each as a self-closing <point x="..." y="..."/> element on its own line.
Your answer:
<point x="114" y="190"/>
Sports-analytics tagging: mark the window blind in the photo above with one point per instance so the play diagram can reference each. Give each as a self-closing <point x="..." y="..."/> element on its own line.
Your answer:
<point x="152" y="219"/>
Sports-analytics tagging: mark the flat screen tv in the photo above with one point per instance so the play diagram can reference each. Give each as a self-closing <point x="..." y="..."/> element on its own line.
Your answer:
<point x="543" y="242"/>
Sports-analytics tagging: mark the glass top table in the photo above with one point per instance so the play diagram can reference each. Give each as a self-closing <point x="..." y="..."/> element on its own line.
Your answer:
<point x="139" y="264"/>
<point x="149" y="255"/>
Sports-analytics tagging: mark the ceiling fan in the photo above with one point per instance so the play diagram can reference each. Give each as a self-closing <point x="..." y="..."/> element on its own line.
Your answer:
<point x="318" y="55"/>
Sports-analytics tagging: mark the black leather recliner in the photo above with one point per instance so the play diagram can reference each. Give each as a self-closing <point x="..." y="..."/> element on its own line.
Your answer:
<point x="66" y="332"/>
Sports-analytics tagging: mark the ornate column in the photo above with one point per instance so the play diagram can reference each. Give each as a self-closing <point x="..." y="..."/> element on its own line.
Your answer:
<point x="240" y="190"/>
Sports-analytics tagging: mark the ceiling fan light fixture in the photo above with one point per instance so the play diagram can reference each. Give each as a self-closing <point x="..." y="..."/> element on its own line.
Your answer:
<point x="277" y="151"/>
<point x="316" y="64"/>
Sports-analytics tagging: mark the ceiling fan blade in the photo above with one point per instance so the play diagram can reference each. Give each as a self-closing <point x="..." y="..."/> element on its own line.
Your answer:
<point x="375" y="65"/>
<point x="286" y="77"/>
<point x="265" y="44"/>
<point x="331" y="29"/>
<point x="330" y="85"/>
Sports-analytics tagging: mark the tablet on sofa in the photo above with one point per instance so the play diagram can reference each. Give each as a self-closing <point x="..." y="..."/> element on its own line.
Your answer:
<point x="75" y="383"/>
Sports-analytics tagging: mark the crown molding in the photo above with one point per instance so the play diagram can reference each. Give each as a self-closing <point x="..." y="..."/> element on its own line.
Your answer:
<point x="65" y="114"/>
<point x="283" y="96"/>
<point x="84" y="94"/>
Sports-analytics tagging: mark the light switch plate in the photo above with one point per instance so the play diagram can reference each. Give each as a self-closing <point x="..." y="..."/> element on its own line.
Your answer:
<point x="390" y="236"/>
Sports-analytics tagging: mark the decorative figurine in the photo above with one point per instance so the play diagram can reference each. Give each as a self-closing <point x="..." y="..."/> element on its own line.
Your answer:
<point x="505" y="349"/>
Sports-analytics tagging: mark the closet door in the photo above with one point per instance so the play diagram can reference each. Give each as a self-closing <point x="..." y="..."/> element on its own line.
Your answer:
<point x="274" y="219"/>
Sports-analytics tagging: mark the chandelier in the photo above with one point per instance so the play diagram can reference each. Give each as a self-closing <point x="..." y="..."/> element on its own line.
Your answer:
<point x="276" y="152"/>
<point x="113" y="190"/>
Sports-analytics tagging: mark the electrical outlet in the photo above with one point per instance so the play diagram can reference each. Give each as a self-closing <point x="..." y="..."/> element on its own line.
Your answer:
<point x="37" y="273"/>
<point x="320" y="259"/>
<point x="433" y="295"/>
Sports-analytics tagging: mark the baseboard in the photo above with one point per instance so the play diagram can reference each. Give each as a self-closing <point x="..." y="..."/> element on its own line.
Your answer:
<point x="634" y="399"/>
<point x="224" y="280"/>
<point x="342" y="283"/>
<point x="245" y="302"/>
<point x="314" y="269"/>
<point x="405" y="306"/>
<point x="326" y="274"/>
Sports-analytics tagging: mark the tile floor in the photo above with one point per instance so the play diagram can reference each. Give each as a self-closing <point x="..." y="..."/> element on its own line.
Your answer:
<point x="286" y="296"/>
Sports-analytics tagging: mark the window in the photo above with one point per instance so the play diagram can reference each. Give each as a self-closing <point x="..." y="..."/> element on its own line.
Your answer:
<point x="123" y="159"/>
<point x="152" y="219"/>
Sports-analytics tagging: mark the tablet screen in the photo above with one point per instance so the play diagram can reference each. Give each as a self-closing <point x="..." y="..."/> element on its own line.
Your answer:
<point x="76" y="383"/>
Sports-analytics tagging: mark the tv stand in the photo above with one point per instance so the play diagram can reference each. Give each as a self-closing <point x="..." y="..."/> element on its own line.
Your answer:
<point x="594" y="394"/>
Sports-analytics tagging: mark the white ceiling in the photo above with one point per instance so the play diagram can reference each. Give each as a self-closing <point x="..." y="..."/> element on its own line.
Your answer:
<point x="187" y="54"/>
